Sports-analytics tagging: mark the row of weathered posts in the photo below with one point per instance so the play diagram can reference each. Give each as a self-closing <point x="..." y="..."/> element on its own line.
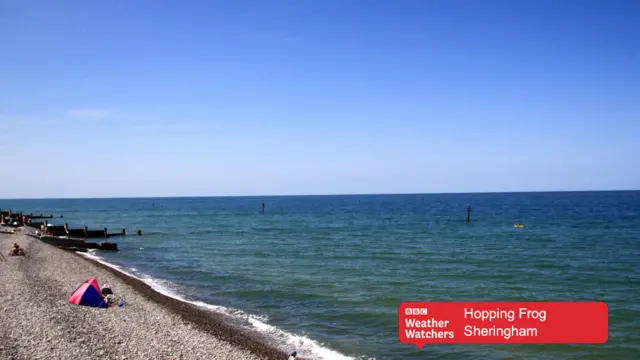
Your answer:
<point x="60" y="235"/>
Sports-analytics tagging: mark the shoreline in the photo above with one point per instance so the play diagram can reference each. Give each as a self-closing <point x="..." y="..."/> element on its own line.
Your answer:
<point x="34" y="295"/>
<point x="215" y="324"/>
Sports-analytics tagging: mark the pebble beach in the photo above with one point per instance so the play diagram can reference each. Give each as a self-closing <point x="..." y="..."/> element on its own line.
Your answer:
<point x="37" y="322"/>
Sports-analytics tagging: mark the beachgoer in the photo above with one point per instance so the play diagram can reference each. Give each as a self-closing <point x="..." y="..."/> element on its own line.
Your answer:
<point x="293" y="355"/>
<point x="108" y="294"/>
<point x="106" y="290"/>
<point x="16" y="250"/>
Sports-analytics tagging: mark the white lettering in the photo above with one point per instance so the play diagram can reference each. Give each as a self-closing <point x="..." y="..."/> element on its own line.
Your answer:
<point x="428" y="334"/>
<point x="506" y="333"/>
<point x="533" y="314"/>
<point x="426" y="323"/>
<point x="489" y="315"/>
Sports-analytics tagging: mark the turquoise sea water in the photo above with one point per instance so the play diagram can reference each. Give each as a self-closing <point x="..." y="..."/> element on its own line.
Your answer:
<point x="335" y="268"/>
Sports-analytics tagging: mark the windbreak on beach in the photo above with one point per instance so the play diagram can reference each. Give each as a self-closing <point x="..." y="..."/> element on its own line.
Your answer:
<point x="88" y="294"/>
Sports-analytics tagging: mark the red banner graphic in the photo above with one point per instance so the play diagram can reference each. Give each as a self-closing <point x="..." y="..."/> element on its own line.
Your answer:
<point x="423" y="323"/>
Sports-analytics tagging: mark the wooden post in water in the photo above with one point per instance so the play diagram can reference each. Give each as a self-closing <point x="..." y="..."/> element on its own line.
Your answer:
<point x="468" y="212"/>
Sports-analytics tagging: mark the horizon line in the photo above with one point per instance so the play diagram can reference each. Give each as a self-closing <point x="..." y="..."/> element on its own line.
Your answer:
<point x="310" y="195"/>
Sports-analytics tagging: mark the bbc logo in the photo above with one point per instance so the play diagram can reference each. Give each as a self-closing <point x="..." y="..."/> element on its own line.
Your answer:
<point x="416" y="311"/>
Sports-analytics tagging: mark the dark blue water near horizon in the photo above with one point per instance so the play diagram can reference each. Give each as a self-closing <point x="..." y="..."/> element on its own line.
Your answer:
<point x="334" y="269"/>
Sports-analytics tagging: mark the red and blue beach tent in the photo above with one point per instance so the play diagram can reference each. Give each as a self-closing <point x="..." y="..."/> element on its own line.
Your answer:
<point x="88" y="294"/>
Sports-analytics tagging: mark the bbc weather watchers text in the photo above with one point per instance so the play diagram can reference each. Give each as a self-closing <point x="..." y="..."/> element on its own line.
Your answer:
<point x="423" y="323"/>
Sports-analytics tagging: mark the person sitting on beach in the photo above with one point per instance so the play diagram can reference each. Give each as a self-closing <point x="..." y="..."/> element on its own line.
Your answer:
<point x="293" y="355"/>
<point x="108" y="294"/>
<point x="16" y="250"/>
<point x="106" y="290"/>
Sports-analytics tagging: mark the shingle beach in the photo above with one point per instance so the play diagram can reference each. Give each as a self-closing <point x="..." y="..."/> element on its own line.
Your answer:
<point x="37" y="322"/>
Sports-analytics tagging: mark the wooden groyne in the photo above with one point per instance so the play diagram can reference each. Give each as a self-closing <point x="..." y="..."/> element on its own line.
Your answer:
<point x="42" y="216"/>
<point x="11" y="218"/>
<point x="76" y="243"/>
<point x="61" y="236"/>
<point x="64" y="230"/>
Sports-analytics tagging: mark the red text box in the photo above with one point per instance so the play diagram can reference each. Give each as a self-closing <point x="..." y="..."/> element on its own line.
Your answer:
<point x="423" y="323"/>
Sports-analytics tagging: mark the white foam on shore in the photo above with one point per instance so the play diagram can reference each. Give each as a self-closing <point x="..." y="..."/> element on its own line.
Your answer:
<point x="305" y="346"/>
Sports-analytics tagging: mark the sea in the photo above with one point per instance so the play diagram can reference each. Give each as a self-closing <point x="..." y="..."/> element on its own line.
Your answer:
<point x="325" y="274"/>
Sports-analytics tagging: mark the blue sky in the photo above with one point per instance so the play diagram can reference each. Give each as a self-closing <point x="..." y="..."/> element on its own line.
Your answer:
<point x="185" y="98"/>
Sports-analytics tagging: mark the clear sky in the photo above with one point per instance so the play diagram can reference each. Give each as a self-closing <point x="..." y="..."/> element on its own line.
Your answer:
<point x="187" y="98"/>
